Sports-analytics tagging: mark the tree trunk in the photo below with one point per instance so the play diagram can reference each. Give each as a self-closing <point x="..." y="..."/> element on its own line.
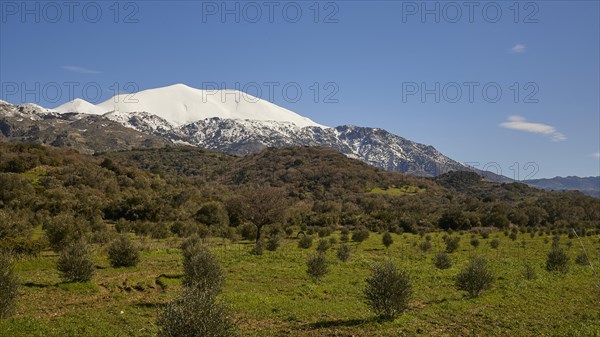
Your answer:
<point x="258" y="231"/>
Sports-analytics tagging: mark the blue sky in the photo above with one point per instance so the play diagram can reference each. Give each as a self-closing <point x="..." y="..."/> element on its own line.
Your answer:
<point x="370" y="60"/>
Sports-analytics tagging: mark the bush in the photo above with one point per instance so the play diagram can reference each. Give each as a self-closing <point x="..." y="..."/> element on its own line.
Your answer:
<point x="495" y="243"/>
<point x="513" y="236"/>
<point x="201" y="269"/>
<point x="317" y="266"/>
<point x="248" y="231"/>
<point x="196" y="313"/>
<point x="425" y="246"/>
<point x="452" y="243"/>
<point x="557" y="260"/>
<point x="9" y="286"/>
<point x="289" y="231"/>
<point x="345" y="234"/>
<point x="258" y="249"/>
<point x="388" y="290"/>
<point x="387" y="239"/>
<point x="529" y="271"/>
<point x="582" y="259"/>
<point x="61" y="230"/>
<point x="305" y="242"/>
<point x="75" y="262"/>
<point x="442" y="260"/>
<point x="273" y="243"/>
<point x="474" y="242"/>
<point x="322" y="246"/>
<point x="159" y="231"/>
<point x="123" y="252"/>
<point x="476" y="278"/>
<point x="343" y="252"/>
<point x="360" y="235"/>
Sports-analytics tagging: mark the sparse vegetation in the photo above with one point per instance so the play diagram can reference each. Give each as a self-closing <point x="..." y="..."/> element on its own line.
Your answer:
<point x="201" y="269"/>
<point x="9" y="285"/>
<point x="388" y="291"/>
<point x="452" y="243"/>
<point x="75" y="262"/>
<point x="305" y="242"/>
<point x="343" y="252"/>
<point x="442" y="260"/>
<point x="387" y="239"/>
<point x="196" y="313"/>
<point x="317" y="266"/>
<point x="557" y="259"/>
<point x="123" y="253"/>
<point x="475" y="278"/>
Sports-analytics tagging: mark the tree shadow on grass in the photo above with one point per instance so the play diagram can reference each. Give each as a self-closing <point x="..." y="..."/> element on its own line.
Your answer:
<point x="37" y="285"/>
<point x="154" y="305"/>
<point x="341" y="323"/>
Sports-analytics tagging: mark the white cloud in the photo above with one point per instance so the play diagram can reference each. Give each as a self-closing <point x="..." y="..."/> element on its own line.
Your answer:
<point x="80" y="70"/>
<point x="521" y="124"/>
<point x="596" y="155"/>
<point x="518" y="49"/>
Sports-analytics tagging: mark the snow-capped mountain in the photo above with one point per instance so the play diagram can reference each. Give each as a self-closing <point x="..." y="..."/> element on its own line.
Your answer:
<point x="179" y="104"/>
<point x="179" y="114"/>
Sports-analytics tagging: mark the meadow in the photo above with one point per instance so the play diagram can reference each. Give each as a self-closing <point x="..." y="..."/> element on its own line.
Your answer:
<point x="272" y="295"/>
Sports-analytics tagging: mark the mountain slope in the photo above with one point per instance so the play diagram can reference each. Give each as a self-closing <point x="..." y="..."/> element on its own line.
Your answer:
<point x="85" y="133"/>
<point x="587" y="185"/>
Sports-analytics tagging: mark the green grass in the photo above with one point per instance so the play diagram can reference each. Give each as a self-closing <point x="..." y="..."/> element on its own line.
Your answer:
<point x="408" y="189"/>
<point x="272" y="295"/>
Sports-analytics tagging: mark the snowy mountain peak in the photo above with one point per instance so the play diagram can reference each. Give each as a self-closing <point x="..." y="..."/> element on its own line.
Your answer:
<point x="180" y="104"/>
<point x="81" y="106"/>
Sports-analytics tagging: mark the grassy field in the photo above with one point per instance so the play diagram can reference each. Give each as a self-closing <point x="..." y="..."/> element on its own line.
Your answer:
<point x="271" y="295"/>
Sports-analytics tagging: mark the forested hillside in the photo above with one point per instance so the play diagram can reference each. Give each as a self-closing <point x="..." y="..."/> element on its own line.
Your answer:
<point x="155" y="191"/>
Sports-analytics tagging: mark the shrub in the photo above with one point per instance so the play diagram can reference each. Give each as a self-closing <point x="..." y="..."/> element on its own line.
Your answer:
<point x="442" y="260"/>
<point x="317" y="266"/>
<point x="495" y="243"/>
<point x="332" y="240"/>
<point x="305" y="242"/>
<point x="75" y="262"/>
<point x="529" y="271"/>
<point x="123" y="252"/>
<point x="387" y="239"/>
<point x="159" y="231"/>
<point x="360" y="235"/>
<point x="343" y="252"/>
<point x="485" y="234"/>
<point x="61" y="230"/>
<point x="425" y="246"/>
<point x="582" y="259"/>
<point x="324" y="231"/>
<point x="452" y="243"/>
<point x="123" y="226"/>
<point x="196" y="313"/>
<point x="474" y="242"/>
<point x="9" y="286"/>
<point x="476" y="278"/>
<point x="289" y="231"/>
<point x="201" y="269"/>
<point x="248" y="231"/>
<point x="258" y="249"/>
<point x="345" y="234"/>
<point x="513" y="236"/>
<point x="322" y="246"/>
<point x="557" y="260"/>
<point x="273" y="243"/>
<point x="388" y="290"/>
